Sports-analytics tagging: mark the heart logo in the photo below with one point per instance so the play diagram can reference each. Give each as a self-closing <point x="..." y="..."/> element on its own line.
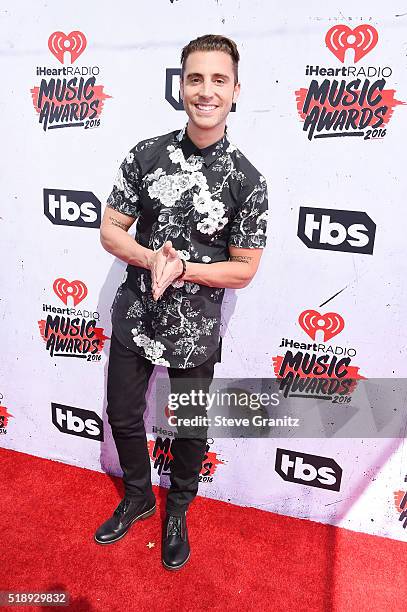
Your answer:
<point x="76" y="289"/>
<point x="361" y="39"/>
<point x="330" y="323"/>
<point x="74" y="43"/>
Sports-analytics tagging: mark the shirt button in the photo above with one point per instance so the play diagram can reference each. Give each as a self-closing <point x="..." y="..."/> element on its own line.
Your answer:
<point x="177" y="295"/>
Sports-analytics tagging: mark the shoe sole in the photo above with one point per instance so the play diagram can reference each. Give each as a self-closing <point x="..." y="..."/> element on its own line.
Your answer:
<point x="136" y="518"/>
<point x="169" y="567"/>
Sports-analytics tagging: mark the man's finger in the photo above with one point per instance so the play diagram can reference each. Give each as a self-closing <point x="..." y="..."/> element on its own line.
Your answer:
<point x="161" y="260"/>
<point x="158" y="291"/>
<point x="153" y="274"/>
<point x="171" y="272"/>
<point x="167" y="247"/>
<point x="167" y="275"/>
<point x="173" y="254"/>
<point x="161" y="290"/>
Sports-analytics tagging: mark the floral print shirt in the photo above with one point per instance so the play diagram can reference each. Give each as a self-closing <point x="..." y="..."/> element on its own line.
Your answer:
<point x="203" y="200"/>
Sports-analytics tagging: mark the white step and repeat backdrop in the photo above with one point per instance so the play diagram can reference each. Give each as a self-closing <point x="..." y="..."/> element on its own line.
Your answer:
<point x="322" y="115"/>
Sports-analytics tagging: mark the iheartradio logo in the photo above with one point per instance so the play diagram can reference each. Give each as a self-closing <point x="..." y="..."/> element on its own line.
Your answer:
<point x="361" y="39"/>
<point x="59" y="43"/>
<point x="330" y="323"/>
<point x="77" y="290"/>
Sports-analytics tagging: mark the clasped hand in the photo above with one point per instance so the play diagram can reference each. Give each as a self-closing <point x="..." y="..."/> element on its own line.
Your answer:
<point x="165" y="267"/>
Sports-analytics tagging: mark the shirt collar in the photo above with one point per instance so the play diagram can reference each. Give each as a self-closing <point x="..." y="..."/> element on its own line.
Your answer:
<point x="209" y="154"/>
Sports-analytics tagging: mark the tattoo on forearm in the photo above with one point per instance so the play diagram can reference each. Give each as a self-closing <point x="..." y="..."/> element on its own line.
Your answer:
<point x="242" y="258"/>
<point x="118" y="223"/>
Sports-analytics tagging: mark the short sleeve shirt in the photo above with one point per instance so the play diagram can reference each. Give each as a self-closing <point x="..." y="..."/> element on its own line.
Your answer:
<point x="203" y="200"/>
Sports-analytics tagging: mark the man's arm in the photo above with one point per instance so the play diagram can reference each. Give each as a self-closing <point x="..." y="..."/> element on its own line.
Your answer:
<point x="115" y="239"/>
<point x="233" y="274"/>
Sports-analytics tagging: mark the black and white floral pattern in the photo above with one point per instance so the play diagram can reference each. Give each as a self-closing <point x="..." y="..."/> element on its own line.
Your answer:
<point x="203" y="201"/>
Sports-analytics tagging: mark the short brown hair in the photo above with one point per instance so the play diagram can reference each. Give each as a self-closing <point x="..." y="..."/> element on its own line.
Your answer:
<point x="211" y="42"/>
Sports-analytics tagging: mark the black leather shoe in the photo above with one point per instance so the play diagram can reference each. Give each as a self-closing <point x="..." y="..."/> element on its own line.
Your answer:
<point x="175" y="547"/>
<point x="127" y="512"/>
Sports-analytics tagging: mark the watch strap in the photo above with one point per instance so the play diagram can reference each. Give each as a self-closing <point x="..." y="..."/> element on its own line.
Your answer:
<point x="184" y="269"/>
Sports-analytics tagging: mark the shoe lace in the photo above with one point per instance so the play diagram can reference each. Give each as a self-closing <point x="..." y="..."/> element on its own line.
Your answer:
<point x="174" y="526"/>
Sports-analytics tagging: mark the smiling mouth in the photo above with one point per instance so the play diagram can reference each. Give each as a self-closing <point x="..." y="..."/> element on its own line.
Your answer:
<point x="206" y="108"/>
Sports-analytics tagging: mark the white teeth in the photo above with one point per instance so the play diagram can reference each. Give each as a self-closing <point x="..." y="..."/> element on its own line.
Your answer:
<point x="205" y="107"/>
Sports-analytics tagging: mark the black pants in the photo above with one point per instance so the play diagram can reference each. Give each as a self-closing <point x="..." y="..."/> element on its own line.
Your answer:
<point x="128" y="378"/>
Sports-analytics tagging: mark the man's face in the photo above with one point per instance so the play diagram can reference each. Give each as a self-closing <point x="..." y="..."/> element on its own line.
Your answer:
<point x="208" y="88"/>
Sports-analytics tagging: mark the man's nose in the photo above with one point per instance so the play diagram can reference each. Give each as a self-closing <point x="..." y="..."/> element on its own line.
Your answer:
<point x="206" y="90"/>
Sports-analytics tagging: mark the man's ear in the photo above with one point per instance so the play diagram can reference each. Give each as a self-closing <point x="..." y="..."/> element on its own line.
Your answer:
<point x="181" y="88"/>
<point x="236" y="92"/>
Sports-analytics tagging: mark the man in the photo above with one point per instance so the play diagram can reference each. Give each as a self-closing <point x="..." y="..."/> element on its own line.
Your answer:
<point x="201" y="211"/>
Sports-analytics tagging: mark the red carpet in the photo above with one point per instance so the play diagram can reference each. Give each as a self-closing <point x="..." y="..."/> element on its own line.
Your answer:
<point x="241" y="558"/>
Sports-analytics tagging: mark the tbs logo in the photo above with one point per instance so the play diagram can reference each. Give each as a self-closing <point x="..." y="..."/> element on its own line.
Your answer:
<point x="64" y="207"/>
<point x="350" y="231"/>
<point x="77" y="422"/>
<point x="310" y="470"/>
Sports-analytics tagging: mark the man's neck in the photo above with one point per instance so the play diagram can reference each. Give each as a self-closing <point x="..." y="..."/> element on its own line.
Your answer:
<point x="204" y="138"/>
